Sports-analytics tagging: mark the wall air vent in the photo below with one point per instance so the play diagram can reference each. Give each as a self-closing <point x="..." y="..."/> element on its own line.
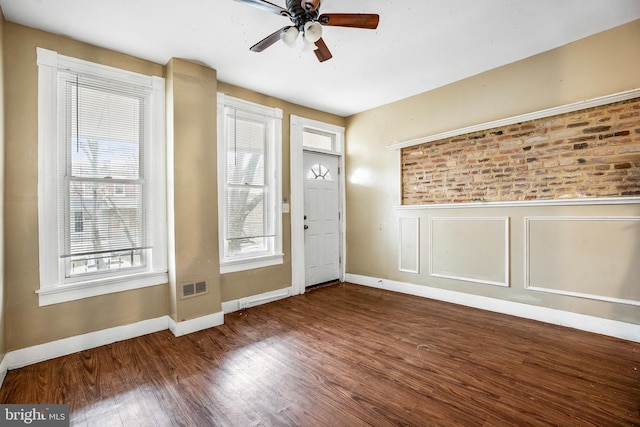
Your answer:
<point x="188" y="290"/>
<point x="201" y="287"/>
<point x="192" y="289"/>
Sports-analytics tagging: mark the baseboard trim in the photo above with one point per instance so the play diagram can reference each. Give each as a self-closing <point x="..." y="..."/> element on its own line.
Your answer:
<point x="194" y="325"/>
<point x="254" y="300"/>
<point x="613" y="328"/>
<point x="39" y="353"/>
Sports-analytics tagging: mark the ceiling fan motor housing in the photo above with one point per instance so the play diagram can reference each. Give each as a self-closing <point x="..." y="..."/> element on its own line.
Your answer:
<point x="310" y="5"/>
<point x="303" y="11"/>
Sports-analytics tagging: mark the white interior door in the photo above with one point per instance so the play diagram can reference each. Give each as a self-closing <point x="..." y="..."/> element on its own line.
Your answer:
<point x="321" y="218"/>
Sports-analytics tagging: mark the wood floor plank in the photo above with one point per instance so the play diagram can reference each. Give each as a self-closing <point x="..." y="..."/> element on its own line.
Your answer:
<point x="346" y="355"/>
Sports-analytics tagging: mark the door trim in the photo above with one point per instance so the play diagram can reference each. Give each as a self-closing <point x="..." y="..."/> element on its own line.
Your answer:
<point x="297" y="126"/>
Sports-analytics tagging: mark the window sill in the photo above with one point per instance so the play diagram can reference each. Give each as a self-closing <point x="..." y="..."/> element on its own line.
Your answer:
<point x="92" y="288"/>
<point x="250" y="263"/>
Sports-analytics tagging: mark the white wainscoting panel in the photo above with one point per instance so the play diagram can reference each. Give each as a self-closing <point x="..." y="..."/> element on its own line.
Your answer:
<point x="409" y="245"/>
<point x="470" y="249"/>
<point x="589" y="257"/>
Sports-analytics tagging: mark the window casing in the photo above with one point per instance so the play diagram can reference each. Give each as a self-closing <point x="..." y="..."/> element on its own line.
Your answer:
<point x="101" y="179"/>
<point x="249" y="184"/>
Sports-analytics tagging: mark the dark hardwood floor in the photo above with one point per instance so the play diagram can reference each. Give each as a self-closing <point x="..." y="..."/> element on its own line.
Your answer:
<point x="347" y="355"/>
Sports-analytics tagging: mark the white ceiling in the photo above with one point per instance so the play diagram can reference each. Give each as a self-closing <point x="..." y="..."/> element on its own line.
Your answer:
<point x="419" y="44"/>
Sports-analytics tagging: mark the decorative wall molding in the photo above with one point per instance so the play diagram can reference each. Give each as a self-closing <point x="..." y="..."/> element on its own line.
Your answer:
<point x="613" y="328"/>
<point x="540" y="287"/>
<point x="505" y="255"/>
<point x="409" y="241"/>
<point x="568" y="108"/>
<point x="525" y="203"/>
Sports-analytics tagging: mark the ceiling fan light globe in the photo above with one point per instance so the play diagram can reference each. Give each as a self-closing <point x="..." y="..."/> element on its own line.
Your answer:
<point x="289" y="36"/>
<point x="312" y="31"/>
<point x="308" y="46"/>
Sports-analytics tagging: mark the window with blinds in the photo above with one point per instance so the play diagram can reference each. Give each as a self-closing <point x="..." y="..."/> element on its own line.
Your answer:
<point x="101" y="125"/>
<point x="101" y="179"/>
<point x="249" y="182"/>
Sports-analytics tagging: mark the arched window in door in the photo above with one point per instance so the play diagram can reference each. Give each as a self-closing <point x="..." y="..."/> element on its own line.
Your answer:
<point x="319" y="172"/>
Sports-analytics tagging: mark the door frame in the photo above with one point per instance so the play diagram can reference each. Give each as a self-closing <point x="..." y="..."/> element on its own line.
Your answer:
<point x="297" y="127"/>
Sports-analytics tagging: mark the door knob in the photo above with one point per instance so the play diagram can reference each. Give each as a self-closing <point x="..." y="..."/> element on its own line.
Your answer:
<point x="306" y="227"/>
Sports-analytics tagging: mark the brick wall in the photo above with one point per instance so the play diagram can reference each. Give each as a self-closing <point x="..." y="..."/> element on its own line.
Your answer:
<point x="584" y="154"/>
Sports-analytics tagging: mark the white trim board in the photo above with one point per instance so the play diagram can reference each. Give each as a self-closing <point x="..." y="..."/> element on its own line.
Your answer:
<point x="554" y="111"/>
<point x="413" y="225"/>
<point x="50" y="350"/>
<point x="613" y="328"/>
<point x="63" y="347"/>
<point x="523" y="203"/>
<point x="194" y="325"/>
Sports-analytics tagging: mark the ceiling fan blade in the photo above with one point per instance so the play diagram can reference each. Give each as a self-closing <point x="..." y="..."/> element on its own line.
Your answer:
<point x="354" y="20"/>
<point x="269" y="40"/>
<point x="267" y="6"/>
<point x="322" y="52"/>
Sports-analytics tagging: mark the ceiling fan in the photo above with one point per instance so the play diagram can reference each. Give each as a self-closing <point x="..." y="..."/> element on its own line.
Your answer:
<point x="306" y="19"/>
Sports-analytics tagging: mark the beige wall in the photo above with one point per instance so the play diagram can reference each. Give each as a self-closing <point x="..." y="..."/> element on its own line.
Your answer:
<point x="599" y="65"/>
<point x="2" y="311"/>
<point x="191" y="133"/>
<point x="253" y="282"/>
<point x="26" y="323"/>
<point x="602" y="64"/>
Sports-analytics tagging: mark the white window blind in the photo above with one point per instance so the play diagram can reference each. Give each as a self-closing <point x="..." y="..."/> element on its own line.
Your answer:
<point x="250" y="222"/>
<point x="249" y="182"/>
<point x="102" y="125"/>
<point x="101" y="179"/>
